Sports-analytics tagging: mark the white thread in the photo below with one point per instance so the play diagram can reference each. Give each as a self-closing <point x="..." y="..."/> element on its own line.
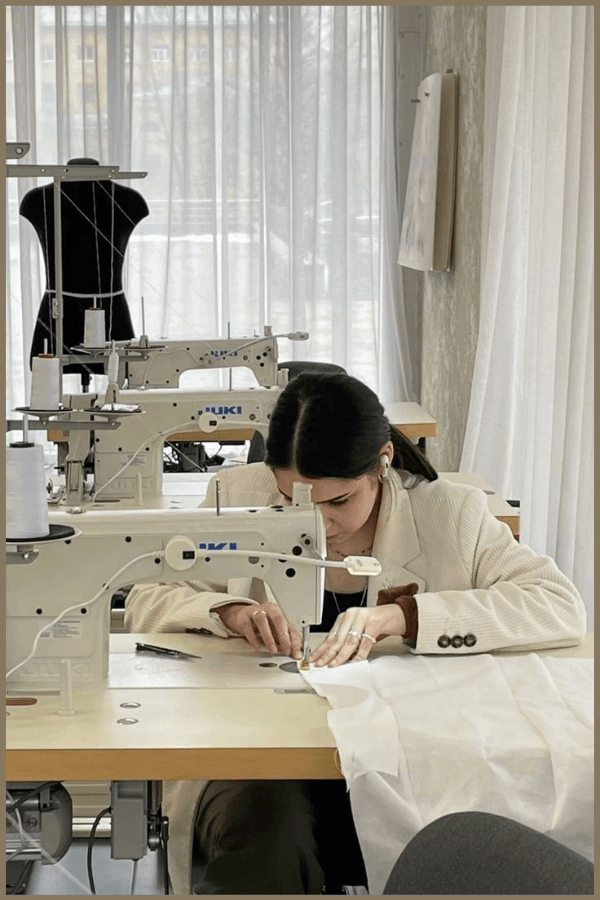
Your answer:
<point x="113" y="367"/>
<point x="45" y="382"/>
<point x="26" y="502"/>
<point x="94" y="328"/>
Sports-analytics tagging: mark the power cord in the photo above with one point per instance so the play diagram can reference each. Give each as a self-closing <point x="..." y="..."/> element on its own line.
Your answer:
<point x="92" y="836"/>
<point x="164" y="837"/>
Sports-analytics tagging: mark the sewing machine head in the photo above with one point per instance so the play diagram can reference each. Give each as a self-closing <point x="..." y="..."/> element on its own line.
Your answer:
<point x="128" y="459"/>
<point x="117" y="548"/>
<point x="159" y="364"/>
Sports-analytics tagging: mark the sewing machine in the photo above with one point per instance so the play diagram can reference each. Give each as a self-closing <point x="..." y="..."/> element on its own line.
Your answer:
<point x="149" y="364"/>
<point x="128" y="457"/>
<point x="91" y="553"/>
<point x="142" y="403"/>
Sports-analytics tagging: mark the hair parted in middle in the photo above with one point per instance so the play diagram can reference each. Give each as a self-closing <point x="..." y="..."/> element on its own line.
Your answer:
<point x="331" y="425"/>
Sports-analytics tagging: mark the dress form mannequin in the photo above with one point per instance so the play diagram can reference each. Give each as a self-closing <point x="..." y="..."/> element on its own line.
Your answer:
<point x="97" y="219"/>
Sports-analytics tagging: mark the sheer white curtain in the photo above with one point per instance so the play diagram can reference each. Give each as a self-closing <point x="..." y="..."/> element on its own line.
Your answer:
<point x="530" y="426"/>
<point x="267" y="134"/>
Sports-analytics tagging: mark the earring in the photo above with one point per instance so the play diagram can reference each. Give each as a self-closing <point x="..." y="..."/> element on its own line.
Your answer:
<point x="385" y="465"/>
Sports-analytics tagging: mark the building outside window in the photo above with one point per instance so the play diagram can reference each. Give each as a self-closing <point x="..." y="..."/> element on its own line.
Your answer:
<point x="161" y="53"/>
<point x="86" y="53"/>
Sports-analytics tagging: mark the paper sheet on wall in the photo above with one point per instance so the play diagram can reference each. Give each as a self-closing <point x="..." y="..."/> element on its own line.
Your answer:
<point x="420" y="737"/>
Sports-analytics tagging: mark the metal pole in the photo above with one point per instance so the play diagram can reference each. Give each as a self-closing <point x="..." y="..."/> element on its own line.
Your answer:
<point x="57" y="306"/>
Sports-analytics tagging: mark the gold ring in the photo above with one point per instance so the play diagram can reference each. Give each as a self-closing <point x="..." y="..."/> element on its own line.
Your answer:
<point x="257" y="611"/>
<point x="368" y="636"/>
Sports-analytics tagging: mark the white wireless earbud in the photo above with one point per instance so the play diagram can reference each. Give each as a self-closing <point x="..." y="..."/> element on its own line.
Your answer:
<point x="385" y="465"/>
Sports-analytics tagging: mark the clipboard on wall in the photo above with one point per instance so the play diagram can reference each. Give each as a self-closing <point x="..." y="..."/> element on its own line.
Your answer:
<point x="428" y="217"/>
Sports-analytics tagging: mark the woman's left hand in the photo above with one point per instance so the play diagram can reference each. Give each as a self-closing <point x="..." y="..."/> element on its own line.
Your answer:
<point x="355" y="631"/>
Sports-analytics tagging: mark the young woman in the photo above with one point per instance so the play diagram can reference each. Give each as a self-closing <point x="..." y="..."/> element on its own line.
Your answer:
<point x="453" y="581"/>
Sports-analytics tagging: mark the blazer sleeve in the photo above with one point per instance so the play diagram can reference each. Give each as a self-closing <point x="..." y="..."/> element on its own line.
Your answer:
<point x="518" y="599"/>
<point x="180" y="605"/>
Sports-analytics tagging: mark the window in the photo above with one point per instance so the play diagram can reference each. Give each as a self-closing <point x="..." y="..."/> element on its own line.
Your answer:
<point x="198" y="53"/>
<point x="86" y="53"/>
<point x="47" y="52"/>
<point x="161" y="53"/>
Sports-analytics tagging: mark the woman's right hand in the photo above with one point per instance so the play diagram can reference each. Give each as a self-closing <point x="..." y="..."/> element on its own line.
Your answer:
<point x="263" y="626"/>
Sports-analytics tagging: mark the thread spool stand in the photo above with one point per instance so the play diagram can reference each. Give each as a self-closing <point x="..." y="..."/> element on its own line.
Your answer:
<point x="21" y="551"/>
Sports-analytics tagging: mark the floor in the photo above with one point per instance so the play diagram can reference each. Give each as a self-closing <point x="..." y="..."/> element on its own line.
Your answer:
<point x="111" y="876"/>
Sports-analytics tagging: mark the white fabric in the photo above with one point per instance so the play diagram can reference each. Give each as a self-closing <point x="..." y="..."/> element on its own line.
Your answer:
<point x="530" y="423"/>
<point x="267" y="134"/>
<point x="506" y="735"/>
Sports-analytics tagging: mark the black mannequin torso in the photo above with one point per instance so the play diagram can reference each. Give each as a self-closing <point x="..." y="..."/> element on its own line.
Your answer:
<point x="97" y="219"/>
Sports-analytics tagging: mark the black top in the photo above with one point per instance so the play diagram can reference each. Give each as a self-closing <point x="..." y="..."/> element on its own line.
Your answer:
<point x="331" y="611"/>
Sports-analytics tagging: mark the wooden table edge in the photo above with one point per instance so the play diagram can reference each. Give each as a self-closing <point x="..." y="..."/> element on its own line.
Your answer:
<point x="159" y="764"/>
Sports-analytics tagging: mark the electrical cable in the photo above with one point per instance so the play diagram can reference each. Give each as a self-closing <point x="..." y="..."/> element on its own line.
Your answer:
<point x="133" y="876"/>
<point x="91" y="845"/>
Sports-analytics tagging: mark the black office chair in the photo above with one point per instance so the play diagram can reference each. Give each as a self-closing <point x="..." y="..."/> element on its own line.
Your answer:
<point x="256" y="451"/>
